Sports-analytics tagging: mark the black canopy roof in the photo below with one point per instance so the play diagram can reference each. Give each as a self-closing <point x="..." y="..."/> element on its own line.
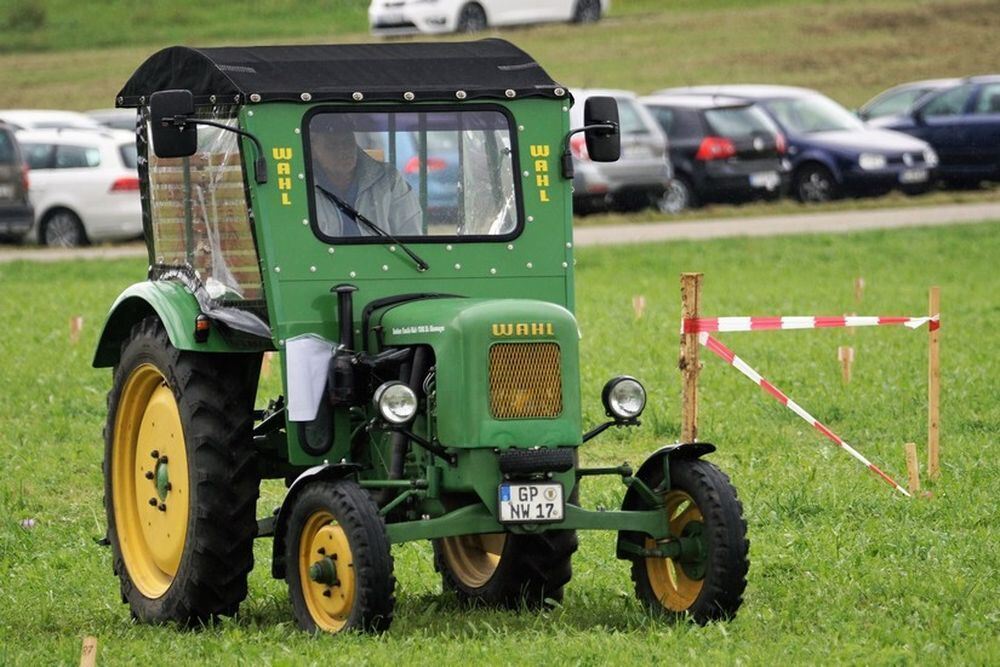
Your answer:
<point x="380" y="72"/>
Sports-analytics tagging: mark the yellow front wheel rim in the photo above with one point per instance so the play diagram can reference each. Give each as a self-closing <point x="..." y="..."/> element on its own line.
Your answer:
<point x="326" y="572"/>
<point x="671" y="585"/>
<point x="149" y="481"/>
<point x="473" y="559"/>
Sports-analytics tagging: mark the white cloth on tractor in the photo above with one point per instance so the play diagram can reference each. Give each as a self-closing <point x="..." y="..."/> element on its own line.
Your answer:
<point x="307" y="359"/>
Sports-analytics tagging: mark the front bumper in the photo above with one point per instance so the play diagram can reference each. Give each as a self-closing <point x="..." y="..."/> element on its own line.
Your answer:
<point x="410" y="20"/>
<point x="856" y="180"/>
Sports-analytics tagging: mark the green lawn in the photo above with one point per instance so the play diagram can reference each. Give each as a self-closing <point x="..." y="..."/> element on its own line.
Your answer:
<point x="843" y="569"/>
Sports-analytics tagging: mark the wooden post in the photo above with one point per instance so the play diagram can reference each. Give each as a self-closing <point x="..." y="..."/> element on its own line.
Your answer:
<point x="912" y="467"/>
<point x="688" y="362"/>
<point x="639" y="305"/>
<point x="75" y="327"/>
<point x="933" y="386"/>
<point x="859" y="289"/>
<point x="845" y="355"/>
<point x="265" y="364"/>
<point x="88" y="653"/>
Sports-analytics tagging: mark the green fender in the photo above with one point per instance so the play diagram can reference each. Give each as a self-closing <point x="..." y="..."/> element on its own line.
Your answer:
<point x="177" y="308"/>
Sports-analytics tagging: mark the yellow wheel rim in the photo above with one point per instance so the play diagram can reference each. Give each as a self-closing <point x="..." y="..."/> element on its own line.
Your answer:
<point x="671" y="585"/>
<point x="473" y="559"/>
<point x="326" y="572"/>
<point x="149" y="481"/>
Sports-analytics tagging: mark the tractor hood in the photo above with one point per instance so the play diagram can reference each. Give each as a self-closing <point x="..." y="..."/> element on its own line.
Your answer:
<point x="506" y="369"/>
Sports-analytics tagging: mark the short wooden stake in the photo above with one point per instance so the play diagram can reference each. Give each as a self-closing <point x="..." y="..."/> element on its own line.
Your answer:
<point x="933" y="387"/>
<point x="912" y="467"/>
<point x="639" y="305"/>
<point x="88" y="654"/>
<point x="859" y="289"/>
<point x="75" y="327"/>
<point x="688" y="362"/>
<point x="845" y="355"/>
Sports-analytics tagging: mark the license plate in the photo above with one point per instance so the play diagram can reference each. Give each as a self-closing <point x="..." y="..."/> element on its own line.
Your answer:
<point x="765" y="179"/>
<point x="530" y="503"/>
<point x="637" y="152"/>
<point x="6" y="191"/>
<point x="913" y="176"/>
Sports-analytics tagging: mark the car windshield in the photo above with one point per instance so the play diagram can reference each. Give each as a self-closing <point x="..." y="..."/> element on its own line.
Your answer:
<point x="891" y="104"/>
<point x="815" y="113"/>
<point x="414" y="174"/>
<point x="738" y="121"/>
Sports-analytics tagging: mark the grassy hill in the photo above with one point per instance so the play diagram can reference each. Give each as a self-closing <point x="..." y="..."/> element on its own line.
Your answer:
<point x="58" y="53"/>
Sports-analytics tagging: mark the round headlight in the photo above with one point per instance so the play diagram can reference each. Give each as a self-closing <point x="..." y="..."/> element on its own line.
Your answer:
<point x="623" y="397"/>
<point x="396" y="402"/>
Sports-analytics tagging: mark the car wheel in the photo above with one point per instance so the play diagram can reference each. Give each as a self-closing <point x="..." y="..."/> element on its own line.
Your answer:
<point x="587" y="11"/>
<point x="814" y="184"/>
<point x="63" y="229"/>
<point x="679" y="196"/>
<point x="471" y="19"/>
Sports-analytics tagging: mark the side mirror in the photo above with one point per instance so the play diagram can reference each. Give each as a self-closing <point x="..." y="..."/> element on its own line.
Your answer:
<point x="172" y="137"/>
<point x="603" y="142"/>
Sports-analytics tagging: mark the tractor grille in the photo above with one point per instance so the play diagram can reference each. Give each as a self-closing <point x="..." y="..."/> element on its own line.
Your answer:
<point x="525" y="380"/>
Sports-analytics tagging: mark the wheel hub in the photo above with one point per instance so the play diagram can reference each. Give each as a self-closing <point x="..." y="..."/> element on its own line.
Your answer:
<point x="326" y="569"/>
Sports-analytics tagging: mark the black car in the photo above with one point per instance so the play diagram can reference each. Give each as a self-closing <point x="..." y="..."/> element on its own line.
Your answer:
<point x="722" y="149"/>
<point x="16" y="213"/>
<point x="962" y="123"/>
<point x="832" y="153"/>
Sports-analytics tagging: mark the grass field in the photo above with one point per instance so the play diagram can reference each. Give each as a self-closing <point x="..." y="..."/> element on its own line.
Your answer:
<point x="843" y="569"/>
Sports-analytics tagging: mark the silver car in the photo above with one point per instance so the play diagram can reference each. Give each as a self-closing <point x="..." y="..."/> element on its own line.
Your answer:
<point x="635" y="181"/>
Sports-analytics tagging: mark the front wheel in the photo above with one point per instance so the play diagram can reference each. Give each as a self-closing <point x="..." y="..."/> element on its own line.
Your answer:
<point x="814" y="184"/>
<point x="707" y="581"/>
<point x="587" y="11"/>
<point x="471" y="19"/>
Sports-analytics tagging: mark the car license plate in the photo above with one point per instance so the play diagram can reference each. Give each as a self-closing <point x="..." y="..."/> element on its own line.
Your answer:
<point x="636" y="152"/>
<point x="6" y="191"/>
<point x="530" y="503"/>
<point x="913" y="176"/>
<point x="765" y="179"/>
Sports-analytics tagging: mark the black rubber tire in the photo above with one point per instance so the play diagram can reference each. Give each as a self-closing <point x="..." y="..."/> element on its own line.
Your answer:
<point x="472" y="18"/>
<point x="354" y="510"/>
<point x="587" y="11"/>
<point x="678" y="197"/>
<point x="62" y="228"/>
<point x="813" y="183"/>
<point x="214" y="395"/>
<point x="725" y="578"/>
<point x="532" y="572"/>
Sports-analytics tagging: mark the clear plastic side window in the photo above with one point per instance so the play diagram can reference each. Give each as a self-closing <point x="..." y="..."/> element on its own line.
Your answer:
<point x="200" y="216"/>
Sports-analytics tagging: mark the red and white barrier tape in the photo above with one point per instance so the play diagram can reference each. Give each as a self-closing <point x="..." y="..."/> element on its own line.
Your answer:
<point x="723" y="324"/>
<point x="729" y="357"/>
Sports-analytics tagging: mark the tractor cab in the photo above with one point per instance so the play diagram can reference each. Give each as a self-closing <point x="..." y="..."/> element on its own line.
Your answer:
<point x="395" y="221"/>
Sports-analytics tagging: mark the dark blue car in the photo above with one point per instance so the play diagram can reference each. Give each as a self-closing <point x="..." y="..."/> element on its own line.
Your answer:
<point x="962" y="123"/>
<point x="832" y="153"/>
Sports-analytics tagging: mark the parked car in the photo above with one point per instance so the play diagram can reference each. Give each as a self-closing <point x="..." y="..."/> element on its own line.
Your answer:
<point x="16" y="212"/>
<point x="116" y="119"/>
<point x="44" y="119"/>
<point x="832" y="153"/>
<point x="389" y="17"/>
<point x="84" y="185"/>
<point x="643" y="173"/>
<point x="721" y="149"/>
<point x="900" y="99"/>
<point x="962" y="123"/>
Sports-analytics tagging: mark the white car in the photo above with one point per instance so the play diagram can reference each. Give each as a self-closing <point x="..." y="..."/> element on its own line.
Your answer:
<point x="84" y="185"/>
<point x="389" y="17"/>
<point x="46" y="119"/>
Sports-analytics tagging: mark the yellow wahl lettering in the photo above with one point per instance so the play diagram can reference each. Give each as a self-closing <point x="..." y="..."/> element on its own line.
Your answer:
<point x="521" y="329"/>
<point x="284" y="169"/>
<point x="503" y="329"/>
<point x="542" y="165"/>
<point x="548" y="329"/>
<point x="285" y="201"/>
<point x="537" y="328"/>
<point x="543" y="196"/>
<point x="539" y="150"/>
<point x="282" y="153"/>
<point x="542" y="181"/>
<point x="284" y="184"/>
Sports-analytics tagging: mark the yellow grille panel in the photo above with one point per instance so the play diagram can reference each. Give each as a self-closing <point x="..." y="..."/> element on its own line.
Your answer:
<point x="525" y="380"/>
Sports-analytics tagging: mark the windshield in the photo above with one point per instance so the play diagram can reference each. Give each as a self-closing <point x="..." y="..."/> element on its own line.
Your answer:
<point x="414" y="174"/>
<point x="806" y="115"/>
<point x="738" y="121"/>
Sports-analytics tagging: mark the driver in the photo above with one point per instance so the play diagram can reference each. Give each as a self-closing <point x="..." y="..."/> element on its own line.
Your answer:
<point x="375" y="189"/>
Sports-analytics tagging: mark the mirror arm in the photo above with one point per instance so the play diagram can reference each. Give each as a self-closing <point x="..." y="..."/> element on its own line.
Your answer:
<point x="259" y="165"/>
<point x="567" y="156"/>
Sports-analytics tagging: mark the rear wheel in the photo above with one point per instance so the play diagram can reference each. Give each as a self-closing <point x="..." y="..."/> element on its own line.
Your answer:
<point x="472" y="18"/>
<point x="679" y="196"/>
<point x="815" y="184"/>
<point x="507" y="570"/>
<point x="63" y="229"/>
<point x="706" y="582"/>
<point x="181" y="483"/>
<point x="587" y="11"/>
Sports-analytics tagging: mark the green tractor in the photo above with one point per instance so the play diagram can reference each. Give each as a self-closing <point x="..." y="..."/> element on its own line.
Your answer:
<point x="394" y="221"/>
